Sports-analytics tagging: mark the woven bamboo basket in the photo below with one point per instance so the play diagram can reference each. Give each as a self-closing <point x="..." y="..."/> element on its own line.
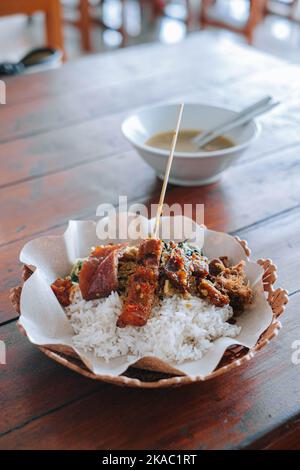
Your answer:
<point x="142" y="374"/>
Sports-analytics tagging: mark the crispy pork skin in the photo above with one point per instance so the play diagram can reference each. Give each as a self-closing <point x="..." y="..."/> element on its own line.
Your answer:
<point x="143" y="285"/>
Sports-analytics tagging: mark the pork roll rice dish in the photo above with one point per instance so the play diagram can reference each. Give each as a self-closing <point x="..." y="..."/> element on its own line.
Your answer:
<point x="161" y="299"/>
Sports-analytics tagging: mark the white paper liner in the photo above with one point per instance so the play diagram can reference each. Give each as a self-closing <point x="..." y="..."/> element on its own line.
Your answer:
<point x="46" y="324"/>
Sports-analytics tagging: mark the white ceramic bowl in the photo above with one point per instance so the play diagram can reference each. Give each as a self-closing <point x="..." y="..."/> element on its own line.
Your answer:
<point x="188" y="169"/>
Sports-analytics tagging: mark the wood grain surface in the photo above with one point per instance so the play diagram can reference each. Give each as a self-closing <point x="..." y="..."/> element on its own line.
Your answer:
<point x="62" y="153"/>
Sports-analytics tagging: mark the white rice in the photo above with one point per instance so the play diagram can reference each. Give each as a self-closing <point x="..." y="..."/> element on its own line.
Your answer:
<point x="178" y="329"/>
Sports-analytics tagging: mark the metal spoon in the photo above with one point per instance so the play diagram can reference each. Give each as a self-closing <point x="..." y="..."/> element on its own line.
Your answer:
<point x="256" y="109"/>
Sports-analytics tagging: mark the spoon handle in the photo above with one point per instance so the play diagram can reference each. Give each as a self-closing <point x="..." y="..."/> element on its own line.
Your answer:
<point x="263" y="102"/>
<point x="236" y="123"/>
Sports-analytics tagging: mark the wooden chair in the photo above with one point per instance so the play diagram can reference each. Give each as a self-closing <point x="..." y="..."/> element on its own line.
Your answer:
<point x="158" y="7"/>
<point x="287" y="10"/>
<point x="52" y="11"/>
<point x="87" y="18"/>
<point x="256" y="14"/>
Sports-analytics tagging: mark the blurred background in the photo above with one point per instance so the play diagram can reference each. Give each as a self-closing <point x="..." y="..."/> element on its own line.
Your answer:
<point x="88" y="26"/>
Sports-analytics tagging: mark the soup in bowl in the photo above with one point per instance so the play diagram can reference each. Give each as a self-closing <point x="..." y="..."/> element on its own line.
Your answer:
<point x="150" y="131"/>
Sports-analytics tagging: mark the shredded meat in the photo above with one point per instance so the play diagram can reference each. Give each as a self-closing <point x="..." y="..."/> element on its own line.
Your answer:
<point x="15" y="297"/>
<point x="216" y="266"/>
<point x="26" y="272"/>
<point x="62" y="290"/>
<point x="176" y="269"/>
<point x="233" y="282"/>
<point x="181" y="267"/>
<point x="208" y="290"/>
<point x="199" y="265"/>
<point x="225" y="261"/>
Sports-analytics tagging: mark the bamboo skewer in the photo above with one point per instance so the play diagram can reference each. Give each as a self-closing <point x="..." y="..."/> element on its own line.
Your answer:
<point x="167" y="173"/>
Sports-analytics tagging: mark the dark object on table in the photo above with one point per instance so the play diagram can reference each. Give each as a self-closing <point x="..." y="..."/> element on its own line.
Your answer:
<point x="41" y="56"/>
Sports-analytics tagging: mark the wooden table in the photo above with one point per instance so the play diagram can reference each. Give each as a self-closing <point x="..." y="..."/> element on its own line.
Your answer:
<point x="62" y="153"/>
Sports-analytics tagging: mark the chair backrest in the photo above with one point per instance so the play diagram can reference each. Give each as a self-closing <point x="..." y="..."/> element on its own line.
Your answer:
<point x="53" y="17"/>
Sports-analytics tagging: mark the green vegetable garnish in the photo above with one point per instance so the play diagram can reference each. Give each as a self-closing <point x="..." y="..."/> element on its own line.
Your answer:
<point x="76" y="270"/>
